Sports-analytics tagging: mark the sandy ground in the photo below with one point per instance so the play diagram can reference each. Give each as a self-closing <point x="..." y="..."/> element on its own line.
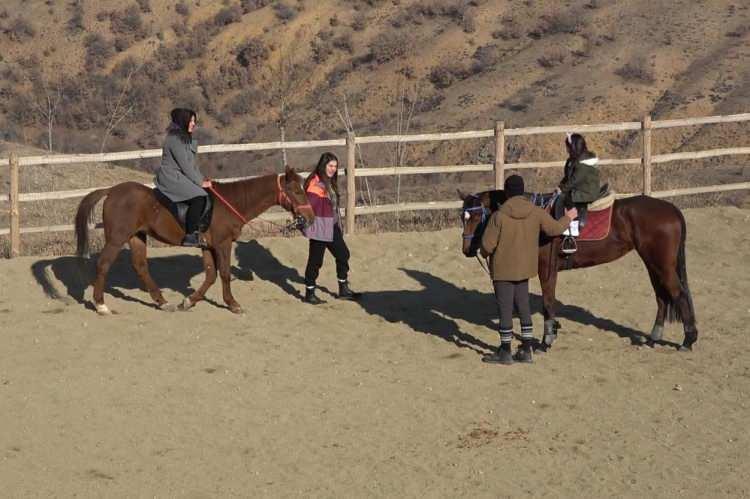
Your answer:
<point x="385" y="398"/>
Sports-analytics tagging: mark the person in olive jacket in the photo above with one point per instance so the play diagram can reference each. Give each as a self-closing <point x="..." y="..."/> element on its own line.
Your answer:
<point x="511" y="240"/>
<point x="178" y="176"/>
<point x="580" y="183"/>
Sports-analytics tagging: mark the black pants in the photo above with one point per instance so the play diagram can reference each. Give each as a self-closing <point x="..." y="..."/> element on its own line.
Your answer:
<point x="338" y="249"/>
<point x="196" y="206"/>
<point x="507" y="293"/>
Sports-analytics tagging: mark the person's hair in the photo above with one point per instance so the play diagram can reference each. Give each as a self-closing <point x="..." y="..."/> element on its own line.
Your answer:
<point x="576" y="145"/>
<point x="320" y="171"/>
<point x="180" y="123"/>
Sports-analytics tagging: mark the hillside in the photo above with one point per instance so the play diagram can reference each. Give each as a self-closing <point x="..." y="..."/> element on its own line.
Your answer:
<point x="115" y="69"/>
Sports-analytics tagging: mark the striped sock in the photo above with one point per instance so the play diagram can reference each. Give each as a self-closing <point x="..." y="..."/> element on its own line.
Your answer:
<point x="527" y="332"/>
<point x="506" y="336"/>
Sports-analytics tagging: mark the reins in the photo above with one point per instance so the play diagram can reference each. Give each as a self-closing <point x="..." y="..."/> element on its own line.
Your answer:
<point x="282" y="199"/>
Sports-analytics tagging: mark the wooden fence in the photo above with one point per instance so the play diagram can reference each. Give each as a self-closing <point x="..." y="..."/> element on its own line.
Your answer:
<point x="647" y="160"/>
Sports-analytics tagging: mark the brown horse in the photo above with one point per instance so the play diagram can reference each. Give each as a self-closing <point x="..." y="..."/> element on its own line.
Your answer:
<point x="654" y="228"/>
<point x="132" y="212"/>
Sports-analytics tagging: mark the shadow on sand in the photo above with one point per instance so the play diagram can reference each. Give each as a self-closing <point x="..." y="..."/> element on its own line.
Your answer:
<point x="433" y="310"/>
<point x="76" y="275"/>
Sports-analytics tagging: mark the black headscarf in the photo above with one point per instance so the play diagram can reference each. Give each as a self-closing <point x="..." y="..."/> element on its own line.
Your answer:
<point x="180" y="121"/>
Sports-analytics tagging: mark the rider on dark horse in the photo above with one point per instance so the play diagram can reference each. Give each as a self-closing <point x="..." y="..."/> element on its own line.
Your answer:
<point x="580" y="183"/>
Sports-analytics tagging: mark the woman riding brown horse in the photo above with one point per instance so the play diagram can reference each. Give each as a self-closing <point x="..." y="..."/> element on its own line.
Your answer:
<point x="653" y="227"/>
<point x="132" y="212"/>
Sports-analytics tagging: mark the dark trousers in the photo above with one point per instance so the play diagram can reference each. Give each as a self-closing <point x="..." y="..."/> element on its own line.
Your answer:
<point x="196" y="206"/>
<point x="508" y="293"/>
<point x="338" y="249"/>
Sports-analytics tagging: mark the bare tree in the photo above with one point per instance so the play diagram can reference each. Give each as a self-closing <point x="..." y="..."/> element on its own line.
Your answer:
<point x="118" y="109"/>
<point x="46" y="96"/>
<point x="346" y="120"/>
<point x="407" y="98"/>
<point x="287" y="77"/>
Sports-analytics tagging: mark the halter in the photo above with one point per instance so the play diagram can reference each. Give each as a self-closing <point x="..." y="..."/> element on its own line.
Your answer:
<point x="283" y="199"/>
<point x="485" y="217"/>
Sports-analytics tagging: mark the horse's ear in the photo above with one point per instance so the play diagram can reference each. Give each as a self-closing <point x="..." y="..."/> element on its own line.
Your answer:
<point x="461" y="195"/>
<point x="289" y="172"/>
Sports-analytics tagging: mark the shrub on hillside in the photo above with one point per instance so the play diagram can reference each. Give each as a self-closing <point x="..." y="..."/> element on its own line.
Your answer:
<point x="251" y="5"/>
<point x="445" y="74"/>
<point x="20" y="29"/>
<point x="252" y="53"/>
<point x="284" y="12"/>
<point x="558" y="23"/>
<point x="552" y="58"/>
<point x="344" y="42"/>
<point x="75" y="23"/>
<point x="244" y="102"/>
<point x="359" y="21"/>
<point x="637" y="70"/>
<point x="128" y="22"/>
<point x="388" y="46"/>
<point x="321" y="50"/>
<point x="182" y="8"/>
<point x="144" y="5"/>
<point x="98" y="50"/>
<point x="228" y="15"/>
<point x="485" y="58"/>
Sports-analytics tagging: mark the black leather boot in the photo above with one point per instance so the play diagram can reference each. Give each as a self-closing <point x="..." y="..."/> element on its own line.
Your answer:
<point x="311" y="298"/>
<point x="345" y="293"/>
<point x="502" y="356"/>
<point x="524" y="352"/>
<point x="192" y="240"/>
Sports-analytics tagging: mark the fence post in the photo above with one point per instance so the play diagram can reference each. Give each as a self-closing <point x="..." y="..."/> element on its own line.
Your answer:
<point x="499" y="154"/>
<point x="15" y="231"/>
<point x="351" y="195"/>
<point x="646" y="158"/>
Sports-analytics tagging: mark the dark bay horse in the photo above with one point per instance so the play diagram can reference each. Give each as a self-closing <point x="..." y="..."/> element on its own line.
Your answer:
<point x="652" y="227"/>
<point x="132" y="212"/>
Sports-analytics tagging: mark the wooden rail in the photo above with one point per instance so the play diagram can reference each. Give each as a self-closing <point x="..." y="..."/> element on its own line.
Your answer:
<point x="499" y="166"/>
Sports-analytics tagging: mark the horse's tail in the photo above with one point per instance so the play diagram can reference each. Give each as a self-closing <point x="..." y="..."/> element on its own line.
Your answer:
<point x="83" y="216"/>
<point x="674" y="313"/>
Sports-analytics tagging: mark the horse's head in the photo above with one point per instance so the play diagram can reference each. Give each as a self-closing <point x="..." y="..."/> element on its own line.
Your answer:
<point x="293" y="198"/>
<point x="474" y="215"/>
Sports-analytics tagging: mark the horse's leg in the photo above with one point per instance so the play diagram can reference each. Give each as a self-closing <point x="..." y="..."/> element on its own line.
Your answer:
<point x="223" y="262"/>
<point x="661" y="307"/>
<point x="210" y="268"/>
<point x="140" y="264"/>
<point x="103" y="263"/>
<point x="548" y="281"/>
<point x="663" y="268"/>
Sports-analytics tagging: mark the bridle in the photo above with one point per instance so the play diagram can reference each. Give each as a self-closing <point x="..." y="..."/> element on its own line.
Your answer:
<point x="285" y="201"/>
<point x="482" y="222"/>
<point x="467" y="216"/>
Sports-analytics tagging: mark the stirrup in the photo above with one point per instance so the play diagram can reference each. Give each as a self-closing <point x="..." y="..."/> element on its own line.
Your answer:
<point x="569" y="245"/>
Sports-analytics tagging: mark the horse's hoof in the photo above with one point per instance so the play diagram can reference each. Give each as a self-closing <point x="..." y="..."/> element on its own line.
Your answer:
<point x="685" y="348"/>
<point x="103" y="310"/>
<point x="236" y="310"/>
<point x="641" y="340"/>
<point x="168" y="307"/>
<point x="549" y="339"/>
<point x="186" y="304"/>
<point x="657" y="332"/>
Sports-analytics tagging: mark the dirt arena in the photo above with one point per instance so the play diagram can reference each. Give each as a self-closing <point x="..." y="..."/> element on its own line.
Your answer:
<point x="383" y="398"/>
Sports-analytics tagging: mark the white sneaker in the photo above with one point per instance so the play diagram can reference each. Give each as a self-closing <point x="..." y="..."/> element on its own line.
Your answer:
<point x="572" y="229"/>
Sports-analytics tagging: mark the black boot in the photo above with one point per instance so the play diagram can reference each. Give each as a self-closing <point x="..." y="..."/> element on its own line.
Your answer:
<point x="524" y="352"/>
<point x="502" y="356"/>
<point x="310" y="297"/>
<point x="193" y="240"/>
<point x="347" y="294"/>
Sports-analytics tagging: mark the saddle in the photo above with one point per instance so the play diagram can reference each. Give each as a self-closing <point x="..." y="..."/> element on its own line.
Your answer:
<point x="179" y="210"/>
<point x="603" y="201"/>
